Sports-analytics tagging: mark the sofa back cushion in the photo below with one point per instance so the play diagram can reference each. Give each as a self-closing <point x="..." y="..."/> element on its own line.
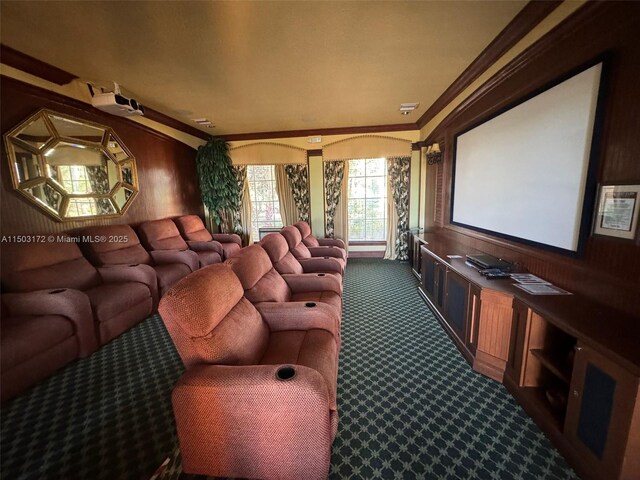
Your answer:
<point x="38" y="266"/>
<point x="278" y="250"/>
<point x="211" y="322"/>
<point x="122" y="246"/>
<point x="191" y="228"/>
<point x="261" y="282"/>
<point x="305" y="232"/>
<point x="294" y="240"/>
<point x="161" y="235"/>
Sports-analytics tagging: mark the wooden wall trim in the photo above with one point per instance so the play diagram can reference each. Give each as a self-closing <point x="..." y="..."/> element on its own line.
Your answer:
<point x="532" y="14"/>
<point x="33" y="90"/>
<point x="316" y="152"/>
<point x="33" y="66"/>
<point x="546" y="43"/>
<point x="398" y="127"/>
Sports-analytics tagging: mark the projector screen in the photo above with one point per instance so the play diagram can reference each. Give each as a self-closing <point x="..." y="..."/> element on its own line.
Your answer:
<point x="523" y="174"/>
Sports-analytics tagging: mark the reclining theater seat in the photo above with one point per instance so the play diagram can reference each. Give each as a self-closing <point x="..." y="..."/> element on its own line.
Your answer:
<point x="193" y="230"/>
<point x="120" y="297"/>
<point x="300" y="250"/>
<point x="164" y="235"/>
<point x="284" y="262"/>
<point x="169" y="266"/>
<point x="258" y="398"/>
<point x="263" y="284"/>
<point x="310" y="241"/>
<point x="41" y="332"/>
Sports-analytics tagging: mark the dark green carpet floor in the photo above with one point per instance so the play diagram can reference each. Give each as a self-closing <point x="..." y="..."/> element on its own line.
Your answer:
<point x="410" y="406"/>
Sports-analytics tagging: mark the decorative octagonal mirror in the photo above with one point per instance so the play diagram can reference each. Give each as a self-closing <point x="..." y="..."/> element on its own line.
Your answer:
<point x="70" y="168"/>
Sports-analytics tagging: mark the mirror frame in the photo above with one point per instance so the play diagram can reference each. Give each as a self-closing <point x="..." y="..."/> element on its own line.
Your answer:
<point x="12" y="141"/>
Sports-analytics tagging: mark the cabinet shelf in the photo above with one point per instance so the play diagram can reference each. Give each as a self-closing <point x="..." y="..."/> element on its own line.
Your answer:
<point x="555" y="362"/>
<point x="537" y="397"/>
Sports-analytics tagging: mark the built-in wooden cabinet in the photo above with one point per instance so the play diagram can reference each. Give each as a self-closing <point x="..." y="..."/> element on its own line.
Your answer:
<point x="588" y="403"/>
<point x="572" y="364"/>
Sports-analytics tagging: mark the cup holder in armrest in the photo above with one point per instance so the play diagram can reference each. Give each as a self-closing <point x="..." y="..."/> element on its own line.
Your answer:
<point x="310" y="304"/>
<point x="58" y="290"/>
<point x="285" y="373"/>
<point x="321" y="274"/>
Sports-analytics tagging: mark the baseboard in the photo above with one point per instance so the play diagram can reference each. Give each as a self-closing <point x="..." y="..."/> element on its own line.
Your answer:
<point x="379" y="254"/>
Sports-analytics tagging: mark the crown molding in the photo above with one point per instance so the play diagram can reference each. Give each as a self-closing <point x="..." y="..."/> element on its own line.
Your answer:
<point x="532" y="14"/>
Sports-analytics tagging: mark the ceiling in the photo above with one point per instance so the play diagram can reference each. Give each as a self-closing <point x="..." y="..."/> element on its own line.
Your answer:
<point x="264" y="66"/>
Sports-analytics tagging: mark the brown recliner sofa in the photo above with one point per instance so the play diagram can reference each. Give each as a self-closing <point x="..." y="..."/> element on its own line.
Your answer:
<point x="193" y="230"/>
<point x="120" y="296"/>
<point x="40" y="332"/>
<point x="258" y="399"/>
<point x="310" y="241"/>
<point x="160" y="235"/>
<point x="284" y="262"/>
<point x="123" y="248"/>
<point x="299" y="250"/>
<point x="263" y="284"/>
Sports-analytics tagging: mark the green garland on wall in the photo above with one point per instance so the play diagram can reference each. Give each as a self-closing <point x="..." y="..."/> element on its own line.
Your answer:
<point x="218" y="184"/>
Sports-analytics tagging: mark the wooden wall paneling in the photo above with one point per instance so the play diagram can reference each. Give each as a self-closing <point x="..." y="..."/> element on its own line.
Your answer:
<point x="608" y="270"/>
<point x="166" y="167"/>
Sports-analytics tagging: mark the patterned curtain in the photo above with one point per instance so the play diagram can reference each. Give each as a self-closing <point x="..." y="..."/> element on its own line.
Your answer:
<point x="99" y="180"/>
<point x="333" y="175"/>
<point x="298" y="176"/>
<point x="398" y="178"/>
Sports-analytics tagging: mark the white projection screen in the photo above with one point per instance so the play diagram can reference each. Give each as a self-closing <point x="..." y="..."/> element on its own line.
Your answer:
<point x="522" y="174"/>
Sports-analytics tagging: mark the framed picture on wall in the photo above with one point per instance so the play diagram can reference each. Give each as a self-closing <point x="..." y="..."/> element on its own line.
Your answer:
<point x="617" y="212"/>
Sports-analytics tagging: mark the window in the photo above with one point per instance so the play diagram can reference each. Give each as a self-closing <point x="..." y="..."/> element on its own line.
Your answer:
<point x="74" y="179"/>
<point x="265" y="208"/>
<point x="368" y="199"/>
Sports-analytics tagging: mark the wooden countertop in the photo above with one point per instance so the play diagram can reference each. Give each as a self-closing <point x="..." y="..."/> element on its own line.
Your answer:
<point x="609" y="331"/>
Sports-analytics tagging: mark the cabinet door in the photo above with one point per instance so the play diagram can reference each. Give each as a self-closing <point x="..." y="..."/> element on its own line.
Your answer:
<point x="457" y="304"/>
<point x="599" y="411"/>
<point x="428" y="275"/>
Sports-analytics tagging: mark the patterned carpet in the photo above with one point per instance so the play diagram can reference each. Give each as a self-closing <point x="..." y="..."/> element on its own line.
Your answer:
<point x="410" y="406"/>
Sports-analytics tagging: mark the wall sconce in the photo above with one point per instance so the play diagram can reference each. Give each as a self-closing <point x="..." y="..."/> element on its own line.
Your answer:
<point x="434" y="154"/>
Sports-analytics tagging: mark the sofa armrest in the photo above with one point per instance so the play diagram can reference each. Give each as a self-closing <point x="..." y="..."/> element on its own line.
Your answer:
<point x="69" y="303"/>
<point x="132" y="273"/>
<point x="282" y="316"/>
<point x="187" y="257"/>
<point x="210" y="246"/>
<point x="331" y="242"/>
<point x="227" y="238"/>
<point x="317" y="264"/>
<point x="234" y="409"/>
<point x="327" y="252"/>
<point x="305" y="282"/>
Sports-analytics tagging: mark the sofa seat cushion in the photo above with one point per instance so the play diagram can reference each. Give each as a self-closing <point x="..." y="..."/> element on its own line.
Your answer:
<point x="111" y="299"/>
<point x="169" y="274"/>
<point x="25" y="337"/>
<point x="329" y="297"/>
<point x="316" y="349"/>
<point x="208" y="258"/>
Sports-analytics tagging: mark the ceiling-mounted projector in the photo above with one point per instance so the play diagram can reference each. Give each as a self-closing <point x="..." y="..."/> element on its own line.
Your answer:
<point x="116" y="103"/>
